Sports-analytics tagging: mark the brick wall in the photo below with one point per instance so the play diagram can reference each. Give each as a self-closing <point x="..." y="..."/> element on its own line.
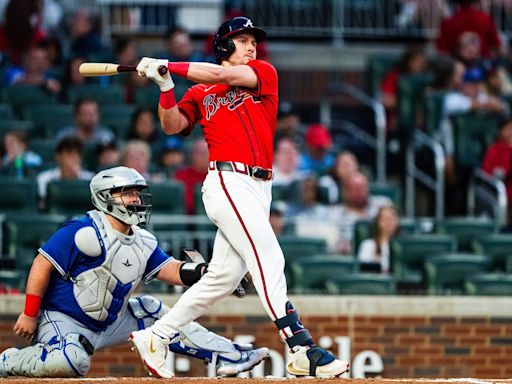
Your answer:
<point x="410" y="346"/>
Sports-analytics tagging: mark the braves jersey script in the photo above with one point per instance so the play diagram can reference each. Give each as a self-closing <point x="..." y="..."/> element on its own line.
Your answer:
<point x="70" y="262"/>
<point x="238" y="123"/>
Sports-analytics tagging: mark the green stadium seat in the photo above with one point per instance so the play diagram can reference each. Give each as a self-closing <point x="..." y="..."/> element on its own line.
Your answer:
<point x="433" y="108"/>
<point x="17" y="195"/>
<point x="311" y="273"/>
<point x="473" y="133"/>
<point x="411" y="95"/>
<point x="6" y="112"/>
<point x="45" y="148"/>
<point x="467" y="229"/>
<point x="25" y="233"/>
<point x="295" y="247"/>
<point x="117" y="117"/>
<point x="409" y="252"/>
<point x="13" y="279"/>
<point x="68" y="197"/>
<point x="448" y="273"/>
<point x="386" y="189"/>
<point x="20" y="96"/>
<point x="489" y="284"/>
<point x="168" y="197"/>
<point x="362" y="284"/>
<point x="10" y="124"/>
<point x="147" y="97"/>
<point x="376" y="68"/>
<point x="48" y="119"/>
<point x="103" y="94"/>
<point x="498" y="246"/>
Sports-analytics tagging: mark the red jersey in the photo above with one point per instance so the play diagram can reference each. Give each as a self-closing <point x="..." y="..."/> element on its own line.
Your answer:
<point x="499" y="155"/>
<point x="238" y="123"/>
<point x="468" y="18"/>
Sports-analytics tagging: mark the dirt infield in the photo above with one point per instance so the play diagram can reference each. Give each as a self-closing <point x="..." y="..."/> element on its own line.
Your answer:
<point x="269" y="380"/>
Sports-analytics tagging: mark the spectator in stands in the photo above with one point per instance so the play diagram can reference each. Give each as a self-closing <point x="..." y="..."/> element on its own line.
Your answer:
<point x="21" y="30"/>
<point x="126" y="53"/>
<point x="35" y="71"/>
<point x="345" y="164"/>
<point x="194" y="174"/>
<point x="84" y="34"/>
<point x="465" y="92"/>
<point x="498" y="159"/>
<point x="318" y="143"/>
<point x="468" y="18"/>
<point x="17" y="159"/>
<point x="72" y="76"/>
<point x="136" y="154"/>
<point x="358" y="204"/>
<point x="468" y="49"/>
<point x="87" y="124"/>
<point x="288" y="123"/>
<point x="286" y="162"/>
<point x="412" y="62"/>
<point x="179" y="47"/>
<point x="143" y="127"/>
<point x="107" y="155"/>
<point x="276" y="218"/>
<point x="427" y="13"/>
<point x="68" y="156"/>
<point x="374" y="252"/>
<point x="53" y="48"/>
<point x="172" y="155"/>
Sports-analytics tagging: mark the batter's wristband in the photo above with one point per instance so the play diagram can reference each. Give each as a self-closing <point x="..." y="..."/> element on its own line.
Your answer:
<point x="180" y="69"/>
<point x="167" y="99"/>
<point x="32" y="305"/>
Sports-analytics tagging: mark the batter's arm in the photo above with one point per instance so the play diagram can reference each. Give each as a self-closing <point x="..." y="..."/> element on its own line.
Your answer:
<point x="207" y="73"/>
<point x="37" y="283"/>
<point x="173" y="122"/>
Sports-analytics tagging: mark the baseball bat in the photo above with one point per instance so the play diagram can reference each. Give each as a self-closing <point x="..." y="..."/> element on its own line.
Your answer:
<point x="110" y="69"/>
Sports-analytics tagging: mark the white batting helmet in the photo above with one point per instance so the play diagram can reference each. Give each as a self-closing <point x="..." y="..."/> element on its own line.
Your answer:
<point x="117" y="179"/>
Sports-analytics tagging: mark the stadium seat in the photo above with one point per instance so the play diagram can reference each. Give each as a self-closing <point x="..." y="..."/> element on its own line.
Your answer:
<point x="69" y="197"/>
<point x="409" y="252"/>
<point x="117" y="117"/>
<point x="467" y="229"/>
<point x="447" y="273"/>
<point x="17" y="195"/>
<point x="147" y="97"/>
<point x="433" y="107"/>
<point x="21" y="96"/>
<point x="103" y="94"/>
<point x="388" y="190"/>
<point x="6" y="112"/>
<point x="48" y="119"/>
<point x="295" y="247"/>
<point x="361" y="284"/>
<point x="411" y="94"/>
<point x="25" y="233"/>
<point x="498" y="247"/>
<point x="489" y="284"/>
<point x="44" y="148"/>
<point x="309" y="274"/>
<point x="473" y="133"/>
<point x="376" y="68"/>
<point x="168" y="197"/>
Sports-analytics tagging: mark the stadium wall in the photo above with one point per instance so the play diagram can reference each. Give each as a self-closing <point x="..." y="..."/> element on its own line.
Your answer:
<point x="382" y="336"/>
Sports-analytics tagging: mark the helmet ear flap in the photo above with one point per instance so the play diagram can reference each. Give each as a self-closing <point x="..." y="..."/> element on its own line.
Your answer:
<point x="224" y="47"/>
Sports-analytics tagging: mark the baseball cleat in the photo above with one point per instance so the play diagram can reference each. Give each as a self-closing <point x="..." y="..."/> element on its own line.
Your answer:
<point x="152" y="350"/>
<point x="247" y="361"/>
<point x="315" y="361"/>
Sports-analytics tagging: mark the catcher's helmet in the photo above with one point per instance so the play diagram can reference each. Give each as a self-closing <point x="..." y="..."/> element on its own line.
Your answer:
<point x="118" y="179"/>
<point x="223" y="45"/>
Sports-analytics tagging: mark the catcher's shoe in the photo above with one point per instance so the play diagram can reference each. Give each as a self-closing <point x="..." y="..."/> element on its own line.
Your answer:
<point x="315" y="361"/>
<point x="249" y="359"/>
<point x="3" y="356"/>
<point x="152" y="350"/>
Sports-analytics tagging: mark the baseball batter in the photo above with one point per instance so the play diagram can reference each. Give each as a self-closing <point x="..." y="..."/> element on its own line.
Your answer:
<point x="235" y="103"/>
<point x="80" y="285"/>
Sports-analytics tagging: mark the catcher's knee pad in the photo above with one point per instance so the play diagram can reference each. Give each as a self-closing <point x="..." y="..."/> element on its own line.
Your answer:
<point x="66" y="357"/>
<point x="292" y="327"/>
<point x="146" y="308"/>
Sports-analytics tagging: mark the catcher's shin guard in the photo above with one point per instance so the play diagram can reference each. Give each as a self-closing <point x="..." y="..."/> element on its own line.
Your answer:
<point x="66" y="357"/>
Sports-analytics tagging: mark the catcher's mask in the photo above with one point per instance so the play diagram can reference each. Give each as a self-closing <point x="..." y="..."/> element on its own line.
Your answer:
<point x="121" y="181"/>
<point x="223" y="45"/>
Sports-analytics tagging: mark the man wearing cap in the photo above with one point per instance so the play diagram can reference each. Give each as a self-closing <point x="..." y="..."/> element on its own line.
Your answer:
<point x="317" y="157"/>
<point x="236" y="103"/>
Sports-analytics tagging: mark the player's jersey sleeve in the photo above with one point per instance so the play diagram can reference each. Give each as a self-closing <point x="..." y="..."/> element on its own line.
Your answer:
<point x="61" y="249"/>
<point x="267" y="78"/>
<point x="155" y="263"/>
<point x="188" y="107"/>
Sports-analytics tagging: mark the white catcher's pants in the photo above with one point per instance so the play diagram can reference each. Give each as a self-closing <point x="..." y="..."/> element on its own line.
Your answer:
<point x="245" y="241"/>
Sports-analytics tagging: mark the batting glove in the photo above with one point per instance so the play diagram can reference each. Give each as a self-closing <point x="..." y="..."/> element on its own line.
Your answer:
<point x="149" y="67"/>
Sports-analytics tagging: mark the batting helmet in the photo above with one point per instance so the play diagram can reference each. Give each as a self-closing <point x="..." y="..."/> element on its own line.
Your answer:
<point x="223" y="45"/>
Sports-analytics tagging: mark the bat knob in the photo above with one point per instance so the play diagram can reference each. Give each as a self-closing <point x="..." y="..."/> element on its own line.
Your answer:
<point x="162" y="70"/>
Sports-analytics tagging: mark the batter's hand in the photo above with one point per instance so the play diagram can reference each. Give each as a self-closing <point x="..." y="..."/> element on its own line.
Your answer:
<point x="25" y="326"/>
<point x="149" y="68"/>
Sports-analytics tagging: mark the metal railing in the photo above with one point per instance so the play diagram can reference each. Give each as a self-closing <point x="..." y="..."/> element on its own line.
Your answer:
<point x="487" y="195"/>
<point x="414" y="173"/>
<point x="376" y="142"/>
